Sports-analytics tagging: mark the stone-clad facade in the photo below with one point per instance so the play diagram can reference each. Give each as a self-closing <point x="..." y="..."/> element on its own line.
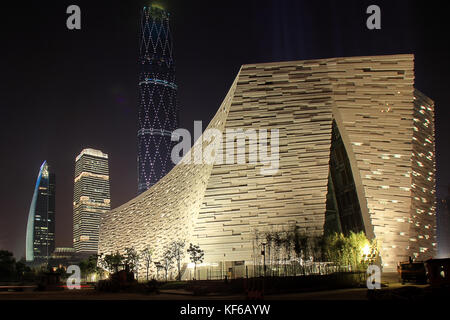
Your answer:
<point x="388" y="137"/>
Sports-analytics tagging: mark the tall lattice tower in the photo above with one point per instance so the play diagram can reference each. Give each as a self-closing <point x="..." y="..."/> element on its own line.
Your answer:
<point x="158" y="111"/>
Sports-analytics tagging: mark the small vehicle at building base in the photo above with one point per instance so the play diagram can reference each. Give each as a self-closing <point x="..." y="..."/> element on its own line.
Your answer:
<point x="438" y="272"/>
<point x="410" y="271"/>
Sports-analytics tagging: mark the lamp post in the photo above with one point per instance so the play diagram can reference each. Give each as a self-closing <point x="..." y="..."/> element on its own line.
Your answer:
<point x="263" y="252"/>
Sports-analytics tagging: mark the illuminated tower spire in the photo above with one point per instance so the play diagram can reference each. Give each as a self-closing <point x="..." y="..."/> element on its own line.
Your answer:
<point x="158" y="112"/>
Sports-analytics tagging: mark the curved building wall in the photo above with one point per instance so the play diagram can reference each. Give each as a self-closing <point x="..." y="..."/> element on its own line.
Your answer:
<point x="220" y="206"/>
<point x="166" y="211"/>
<point x="239" y="200"/>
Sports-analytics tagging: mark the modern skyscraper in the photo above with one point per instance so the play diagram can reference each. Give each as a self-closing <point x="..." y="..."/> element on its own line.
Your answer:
<point x="158" y="111"/>
<point x="40" y="238"/>
<point x="91" y="198"/>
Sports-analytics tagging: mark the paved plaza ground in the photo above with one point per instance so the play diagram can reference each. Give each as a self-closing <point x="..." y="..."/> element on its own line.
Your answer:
<point x="390" y="282"/>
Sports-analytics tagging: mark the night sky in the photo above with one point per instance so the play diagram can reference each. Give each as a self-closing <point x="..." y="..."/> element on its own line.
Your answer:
<point x="62" y="91"/>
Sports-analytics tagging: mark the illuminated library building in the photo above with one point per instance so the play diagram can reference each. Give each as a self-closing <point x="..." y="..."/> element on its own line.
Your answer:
<point x="356" y="153"/>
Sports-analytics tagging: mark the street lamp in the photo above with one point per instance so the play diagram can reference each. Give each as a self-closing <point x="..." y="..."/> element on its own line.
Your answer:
<point x="366" y="250"/>
<point x="263" y="253"/>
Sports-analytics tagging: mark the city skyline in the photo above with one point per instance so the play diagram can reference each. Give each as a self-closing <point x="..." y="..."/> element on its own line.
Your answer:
<point x="102" y="110"/>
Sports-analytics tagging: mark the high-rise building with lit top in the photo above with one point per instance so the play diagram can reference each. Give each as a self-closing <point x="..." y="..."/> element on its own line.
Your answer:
<point x="91" y="198"/>
<point x="158" y="111"/>
<point x="40" y="235"/>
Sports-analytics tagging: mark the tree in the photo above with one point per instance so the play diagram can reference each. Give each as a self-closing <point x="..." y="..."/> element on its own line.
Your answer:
<point x="335" y="249"/>
<point x="177" y="248"/>
<point x="21" y="268"/>
<point x="349" y="250"/>
<point x="167" y="260"/>
<point x="256" y="245"/>
<point x="196" y="255"/>
<point x="287" y="243"/>
<point x="113" y="261"/>
<point x="278" y="243"/>
<point x="7" y="265"/>
<point x="146" y="255"/>
<point x="315" y="247"/>
<point x="89" y="266"/>
<point x="131" y="260"/>
<point x="299" y="244"/>
<point x="269" y="242"/>
<point x="10" y="269"/>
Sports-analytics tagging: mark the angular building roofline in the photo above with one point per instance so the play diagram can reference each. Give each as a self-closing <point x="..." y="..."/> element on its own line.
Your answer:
<point x="92" y="152"/>
<point x="406" y="56"/>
